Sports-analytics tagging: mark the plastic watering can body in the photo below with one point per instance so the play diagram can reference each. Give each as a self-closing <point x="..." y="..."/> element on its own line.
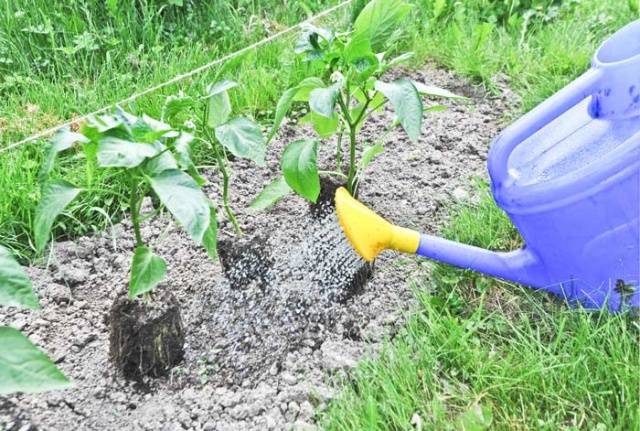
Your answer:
<point x="568" y="176"/>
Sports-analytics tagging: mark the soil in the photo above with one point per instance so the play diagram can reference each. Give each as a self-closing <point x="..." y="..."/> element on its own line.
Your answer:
<point x="146" y="337"/>
<point x="325" y="201"/>
<point x="263" y="353"/>
<point x="245" y="261"/>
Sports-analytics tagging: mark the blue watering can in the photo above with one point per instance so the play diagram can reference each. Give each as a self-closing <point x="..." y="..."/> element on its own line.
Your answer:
<point x="568" y="176"/>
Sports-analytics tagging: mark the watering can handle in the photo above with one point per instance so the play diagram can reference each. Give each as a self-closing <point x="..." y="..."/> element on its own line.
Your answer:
<point x="537" y="118"/>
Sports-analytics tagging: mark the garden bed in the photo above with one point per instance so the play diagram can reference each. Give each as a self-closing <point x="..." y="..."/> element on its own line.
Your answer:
<point x="263" y="342"/>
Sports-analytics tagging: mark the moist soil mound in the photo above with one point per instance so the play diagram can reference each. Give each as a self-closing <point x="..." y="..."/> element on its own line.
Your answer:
<point x="325" y="203"/>
<point x="261" y="356"/>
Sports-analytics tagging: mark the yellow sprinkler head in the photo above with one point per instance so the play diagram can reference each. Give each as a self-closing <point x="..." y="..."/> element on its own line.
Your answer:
<point x="369" y="233"/>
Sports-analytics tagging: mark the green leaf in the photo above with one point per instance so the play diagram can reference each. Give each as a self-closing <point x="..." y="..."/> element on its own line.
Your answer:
<point x="120" y="153"/>
<point x="147" y="271"/>
<point x="24" y="368"/>
<point x="271" y="194"/>
<point x="149" y="130"/>
<point x="299" y="166"/>
<point x="364" y="67"/>
<point x="182" y="147"/>
<point x="436" y="108"/>
<point x="407" y="105"/>
<point x="219" y="104"/>
<point x="379" y="20"/>
<point x="243" y="138"/>
<point x="123" y="117"/>
<point x="433" y="91"/>
<point x="15" y="285"/>
<point x="323" y="100"/>
<point x="160" y="163"/>
<point x="210" y="238"/>
<point x="62" y="140"/>
<point x="370" y="153"/>
<point x="156" y="125"/>
<point x="174" y="105"/>
<point x="400" y="59"/>
<point x="184" y="199"/>
<point x="305" y="87"/>
<point x="56" y="196"/>
<point x="476" y="418"/>
<point x="359" y="46"/>
<point x="312" y="40"/>
<point x="324" y="127"/>
<point x="220" y="87"/>
<point x="283" y="106"/>
<point x="104" y="123"/>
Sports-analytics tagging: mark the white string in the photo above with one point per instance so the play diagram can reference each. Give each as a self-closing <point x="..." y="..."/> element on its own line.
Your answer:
<point x="178" y="78"/>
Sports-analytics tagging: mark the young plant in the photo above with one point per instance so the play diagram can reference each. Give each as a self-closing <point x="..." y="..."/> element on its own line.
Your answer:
<point x="222" y="133"/>
<point x="340" y="101"/>
<point x="23" y="368"/>
<point x="151" y="158"/>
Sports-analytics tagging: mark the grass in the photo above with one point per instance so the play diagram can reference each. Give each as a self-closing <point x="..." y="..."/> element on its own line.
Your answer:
<point x="60" y="59"/>
<point x="480" y="353"/>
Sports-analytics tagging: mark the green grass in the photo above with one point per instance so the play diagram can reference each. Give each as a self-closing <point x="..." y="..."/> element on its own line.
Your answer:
<point x="537" y="62"/>
<point x="60" y="59"/>
<point x="496" y="355"/>
<point x="483" y="354"/>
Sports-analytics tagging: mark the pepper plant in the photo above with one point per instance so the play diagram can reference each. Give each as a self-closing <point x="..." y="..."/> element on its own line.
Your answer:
<point x="220" y="132"/>
<point x="349" y="90"/>
<point x="151" y="158"/>
<point x="23" y="367"/>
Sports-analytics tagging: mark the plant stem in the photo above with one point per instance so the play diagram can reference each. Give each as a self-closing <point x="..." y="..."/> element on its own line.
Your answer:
<point x="353" y="130"/>
<point x="351" y="179"/>
<point x="222" y="165"/>
<point x="339" y="149"/>
<point x="221" y="158"/>
<point x="134" y="206"/>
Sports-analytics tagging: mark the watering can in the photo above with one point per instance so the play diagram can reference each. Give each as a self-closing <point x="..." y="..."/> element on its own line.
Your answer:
<point x="568" y="176"/>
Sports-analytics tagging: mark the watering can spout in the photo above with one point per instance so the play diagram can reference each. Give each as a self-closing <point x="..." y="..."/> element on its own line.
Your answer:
<point x="369" y="234"/>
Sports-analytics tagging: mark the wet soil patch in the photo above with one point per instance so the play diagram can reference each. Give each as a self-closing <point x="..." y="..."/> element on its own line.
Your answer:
<point x="262" y="356"/>
<point x="246" y="261"/>
<point x="326" y="203"/>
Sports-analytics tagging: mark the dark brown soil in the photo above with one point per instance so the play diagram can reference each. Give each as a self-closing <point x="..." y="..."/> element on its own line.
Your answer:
<point x="325" y="202"/>
<point x="146" y="337"/>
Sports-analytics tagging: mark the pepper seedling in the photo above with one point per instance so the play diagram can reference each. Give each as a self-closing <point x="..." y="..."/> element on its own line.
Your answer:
<point x="221" y="132"/>
<point x="150" y="157"/>
<point x="341" y="100"/>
